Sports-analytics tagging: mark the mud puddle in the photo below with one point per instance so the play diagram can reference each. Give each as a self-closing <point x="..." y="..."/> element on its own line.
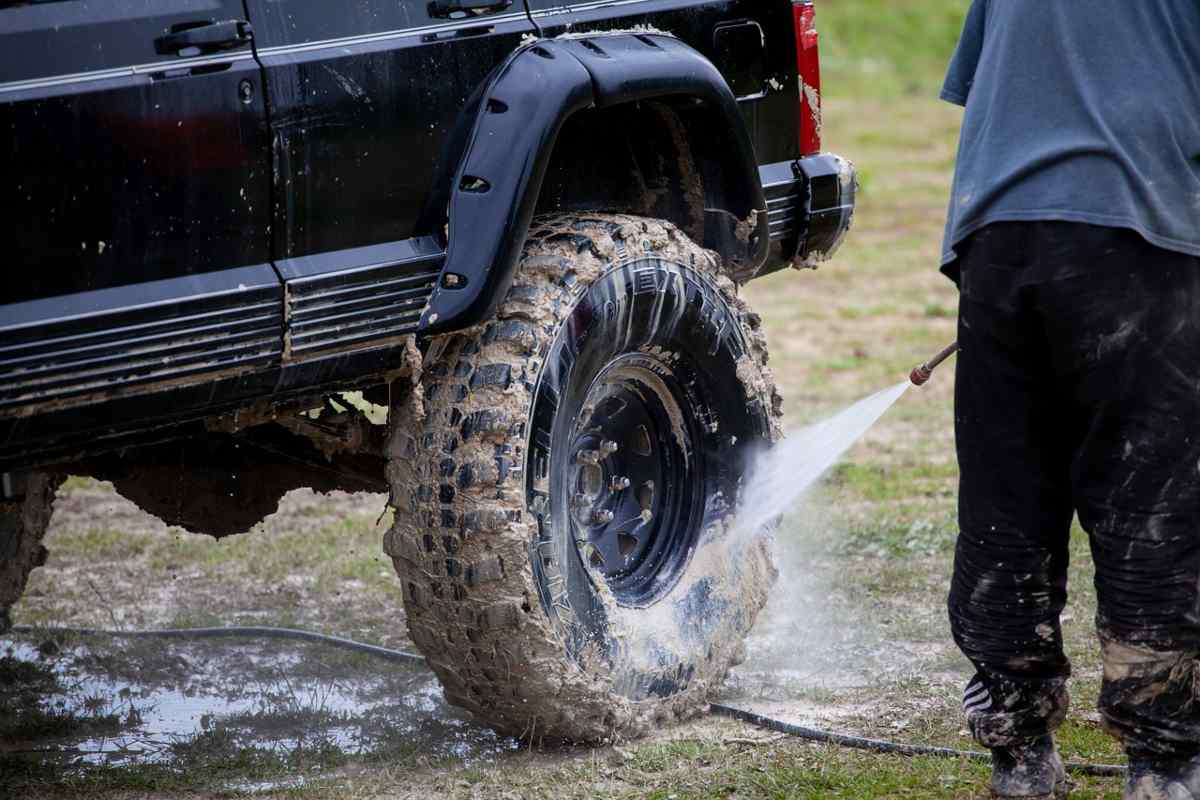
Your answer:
<point x="107" y="702"/>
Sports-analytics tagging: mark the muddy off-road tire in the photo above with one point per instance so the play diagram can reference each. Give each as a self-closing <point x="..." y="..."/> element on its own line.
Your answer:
<point x="563" y="495"/>
<point x="23" y="523"/>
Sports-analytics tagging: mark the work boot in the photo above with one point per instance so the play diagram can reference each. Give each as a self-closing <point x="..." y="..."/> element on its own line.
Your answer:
<point x="1163" y="780"/>
<point x="1031" y="771"/>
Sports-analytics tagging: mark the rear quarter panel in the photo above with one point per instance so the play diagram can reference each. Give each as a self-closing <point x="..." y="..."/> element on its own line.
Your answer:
<point x="771" y="115"/>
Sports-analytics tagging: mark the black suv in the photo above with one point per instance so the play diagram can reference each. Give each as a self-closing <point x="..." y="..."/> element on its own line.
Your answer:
<point x="480" y="254"/>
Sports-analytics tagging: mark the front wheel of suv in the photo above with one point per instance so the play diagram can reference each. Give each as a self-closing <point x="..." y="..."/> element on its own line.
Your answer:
<point x="563" y="508"/>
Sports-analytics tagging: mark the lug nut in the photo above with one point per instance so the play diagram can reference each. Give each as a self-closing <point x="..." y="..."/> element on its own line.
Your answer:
<point x="602" y="517"/>
<point x="608" y="447"/>
<point x="619" y="482"/>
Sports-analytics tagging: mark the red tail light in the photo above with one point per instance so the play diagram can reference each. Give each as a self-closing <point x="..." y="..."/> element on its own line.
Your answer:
<point x="808" y="64"/>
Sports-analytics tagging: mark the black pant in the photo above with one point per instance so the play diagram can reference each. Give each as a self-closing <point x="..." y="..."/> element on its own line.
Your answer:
<point x="1078" y="390"/>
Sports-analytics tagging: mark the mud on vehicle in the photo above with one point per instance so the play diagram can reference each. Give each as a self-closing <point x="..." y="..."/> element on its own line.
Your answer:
<point x="520" y="228"/>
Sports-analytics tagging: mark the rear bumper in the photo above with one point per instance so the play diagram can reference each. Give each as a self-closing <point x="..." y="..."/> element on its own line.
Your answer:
<point x="810" y="205"/>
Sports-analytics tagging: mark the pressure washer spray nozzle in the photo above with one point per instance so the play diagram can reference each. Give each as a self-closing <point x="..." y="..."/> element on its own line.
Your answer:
<point x="920" y="374"/>
<point x="924" y="372"/>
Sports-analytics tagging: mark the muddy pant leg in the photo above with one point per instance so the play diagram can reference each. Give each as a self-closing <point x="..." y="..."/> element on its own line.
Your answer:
<point x="1147" y="579"/>
<point x="1015" y="509"/>
<point x="1149" y="700"/>
<point x="1130" y="337"/>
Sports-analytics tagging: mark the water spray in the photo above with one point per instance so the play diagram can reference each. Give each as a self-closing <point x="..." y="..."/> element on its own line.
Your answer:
<point x="921" y="374"/>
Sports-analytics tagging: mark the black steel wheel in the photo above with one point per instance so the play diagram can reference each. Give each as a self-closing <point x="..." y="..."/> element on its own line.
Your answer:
<point x="628" y="488"/>
<point x="562" y="525"/>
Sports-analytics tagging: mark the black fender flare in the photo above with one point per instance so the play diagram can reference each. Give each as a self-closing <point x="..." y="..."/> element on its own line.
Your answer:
<point x="518" y="116"/>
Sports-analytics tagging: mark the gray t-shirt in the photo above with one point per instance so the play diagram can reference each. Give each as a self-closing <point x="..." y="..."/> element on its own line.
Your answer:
<point x="1078" y="110"/>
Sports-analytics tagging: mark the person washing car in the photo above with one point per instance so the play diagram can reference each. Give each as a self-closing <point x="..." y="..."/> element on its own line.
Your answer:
<point x="1074" y="236"/>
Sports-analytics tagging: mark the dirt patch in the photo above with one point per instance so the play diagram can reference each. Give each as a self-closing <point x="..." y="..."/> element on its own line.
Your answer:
<point x="315" y="563"/>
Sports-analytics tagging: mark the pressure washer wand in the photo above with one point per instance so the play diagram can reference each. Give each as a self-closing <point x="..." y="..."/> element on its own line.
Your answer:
<point x="922" y="373"/>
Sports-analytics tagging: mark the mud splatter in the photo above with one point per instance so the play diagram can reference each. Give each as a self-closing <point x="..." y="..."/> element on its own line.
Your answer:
<point x="348" y="85"/>
<point x="475" y="606"/>
<point x="813" y="98"/>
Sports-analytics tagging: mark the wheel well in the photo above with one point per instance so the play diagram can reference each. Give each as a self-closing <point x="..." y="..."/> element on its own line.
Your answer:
<point x="659" y="158"/>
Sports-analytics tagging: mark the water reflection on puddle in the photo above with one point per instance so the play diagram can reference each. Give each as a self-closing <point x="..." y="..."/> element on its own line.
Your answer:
<point x="122" y="702"/>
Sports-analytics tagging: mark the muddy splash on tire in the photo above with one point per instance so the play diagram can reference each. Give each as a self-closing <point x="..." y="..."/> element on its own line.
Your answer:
<point x="564" y="488"/>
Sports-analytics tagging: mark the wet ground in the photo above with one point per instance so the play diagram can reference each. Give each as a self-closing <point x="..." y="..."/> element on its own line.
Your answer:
<point x="70" y="704"/>
<point x="74" y="707"/>
<point x="77" y="703"/>
<point x="836" y="647"/>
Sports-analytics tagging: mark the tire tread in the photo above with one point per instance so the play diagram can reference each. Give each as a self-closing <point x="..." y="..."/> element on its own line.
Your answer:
<point x="482" y="627"/>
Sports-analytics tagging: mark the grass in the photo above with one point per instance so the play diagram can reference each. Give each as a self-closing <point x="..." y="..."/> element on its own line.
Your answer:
<point x="211" y="758"/>
<point x="326" y="547"/>
<point x="875" y="47"/>
<point x="870" y="556"/>
<point x="726" y="766"/>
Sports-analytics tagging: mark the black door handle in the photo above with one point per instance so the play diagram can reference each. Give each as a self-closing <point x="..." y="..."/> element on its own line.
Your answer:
<point x="466" y="8"/>
<point x="205" y="36"/>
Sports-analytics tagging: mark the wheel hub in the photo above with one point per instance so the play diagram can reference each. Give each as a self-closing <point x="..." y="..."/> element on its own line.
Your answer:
<point x="630" y="479"/>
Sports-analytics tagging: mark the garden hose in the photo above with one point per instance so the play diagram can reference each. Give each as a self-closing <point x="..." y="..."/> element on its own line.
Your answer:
<point x="758" y="720"/>
<point x="259" y="631"/>
<point x="882" y="746"/>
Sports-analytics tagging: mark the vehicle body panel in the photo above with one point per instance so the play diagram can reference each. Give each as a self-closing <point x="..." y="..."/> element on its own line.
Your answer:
<point x="539" y="87"/>
<point x="136" y="236"/>
<point x="200" y="232"/>
<point x="125" y="164"/>
<point x="361" y="105"/>
<point x="769" y="110"/>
